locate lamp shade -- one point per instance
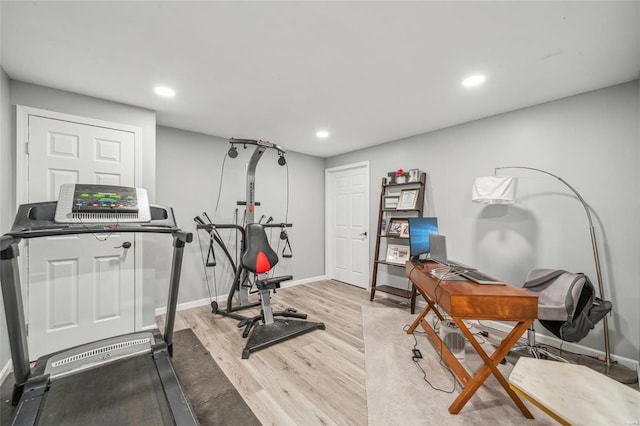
(494, 190)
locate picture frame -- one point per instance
(414, 175)
(408, 199)
(395, 227)
(397, 254)
(391, 177)
(391, 202)
(404, 230)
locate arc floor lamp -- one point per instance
(501, 190)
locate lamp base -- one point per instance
(614, 370)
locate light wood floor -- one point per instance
(314, 379)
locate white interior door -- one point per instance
(348, 224)
(80, 288)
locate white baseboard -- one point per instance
(223, 298)
(570, 347)
(294, 283)
(6, 370)
(192, 304)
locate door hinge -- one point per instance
(26, 147)
(27, 329)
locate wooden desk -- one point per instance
(466, 300)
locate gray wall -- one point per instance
(7, 192)
(590, 140)
(189, 172)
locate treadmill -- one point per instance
(127, 379)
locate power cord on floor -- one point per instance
(417, 355)
(479, 336)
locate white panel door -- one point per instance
(80, 287)
(348, 224)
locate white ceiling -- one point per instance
(368, 72)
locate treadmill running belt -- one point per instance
(126, 392)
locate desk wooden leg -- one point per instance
(449, 358)
(430, 306)
(490, 366)
(419, 318)
(458, 369)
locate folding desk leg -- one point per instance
(458, 369)
(419, 318)
(489, 367)
(430, 306)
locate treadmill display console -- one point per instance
(94, 198)
(101, 204)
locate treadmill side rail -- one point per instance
(33, 392)
(180, 407)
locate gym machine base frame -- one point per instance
(265, 335)
(33, 387)
(273, 330)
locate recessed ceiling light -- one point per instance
(474, 80)
(322, 134)
(167, 92)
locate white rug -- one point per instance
(397, 393)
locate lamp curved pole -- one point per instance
(594, 245)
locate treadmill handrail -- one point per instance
(37, 220)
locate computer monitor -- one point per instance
(419, 230)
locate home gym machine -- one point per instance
(257, 259)
(128, 379)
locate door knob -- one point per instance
(126, 244)
(364, 233)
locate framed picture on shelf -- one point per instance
(397, 254)
(394, 229)
(404, 230)
(391, 177)
(414, 175)
(408, 199)
(391, 201)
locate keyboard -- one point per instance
(480, 278)
(458, 265)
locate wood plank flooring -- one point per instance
(314, 379)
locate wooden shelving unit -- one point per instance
(382, 240)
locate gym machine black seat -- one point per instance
(127, 379)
